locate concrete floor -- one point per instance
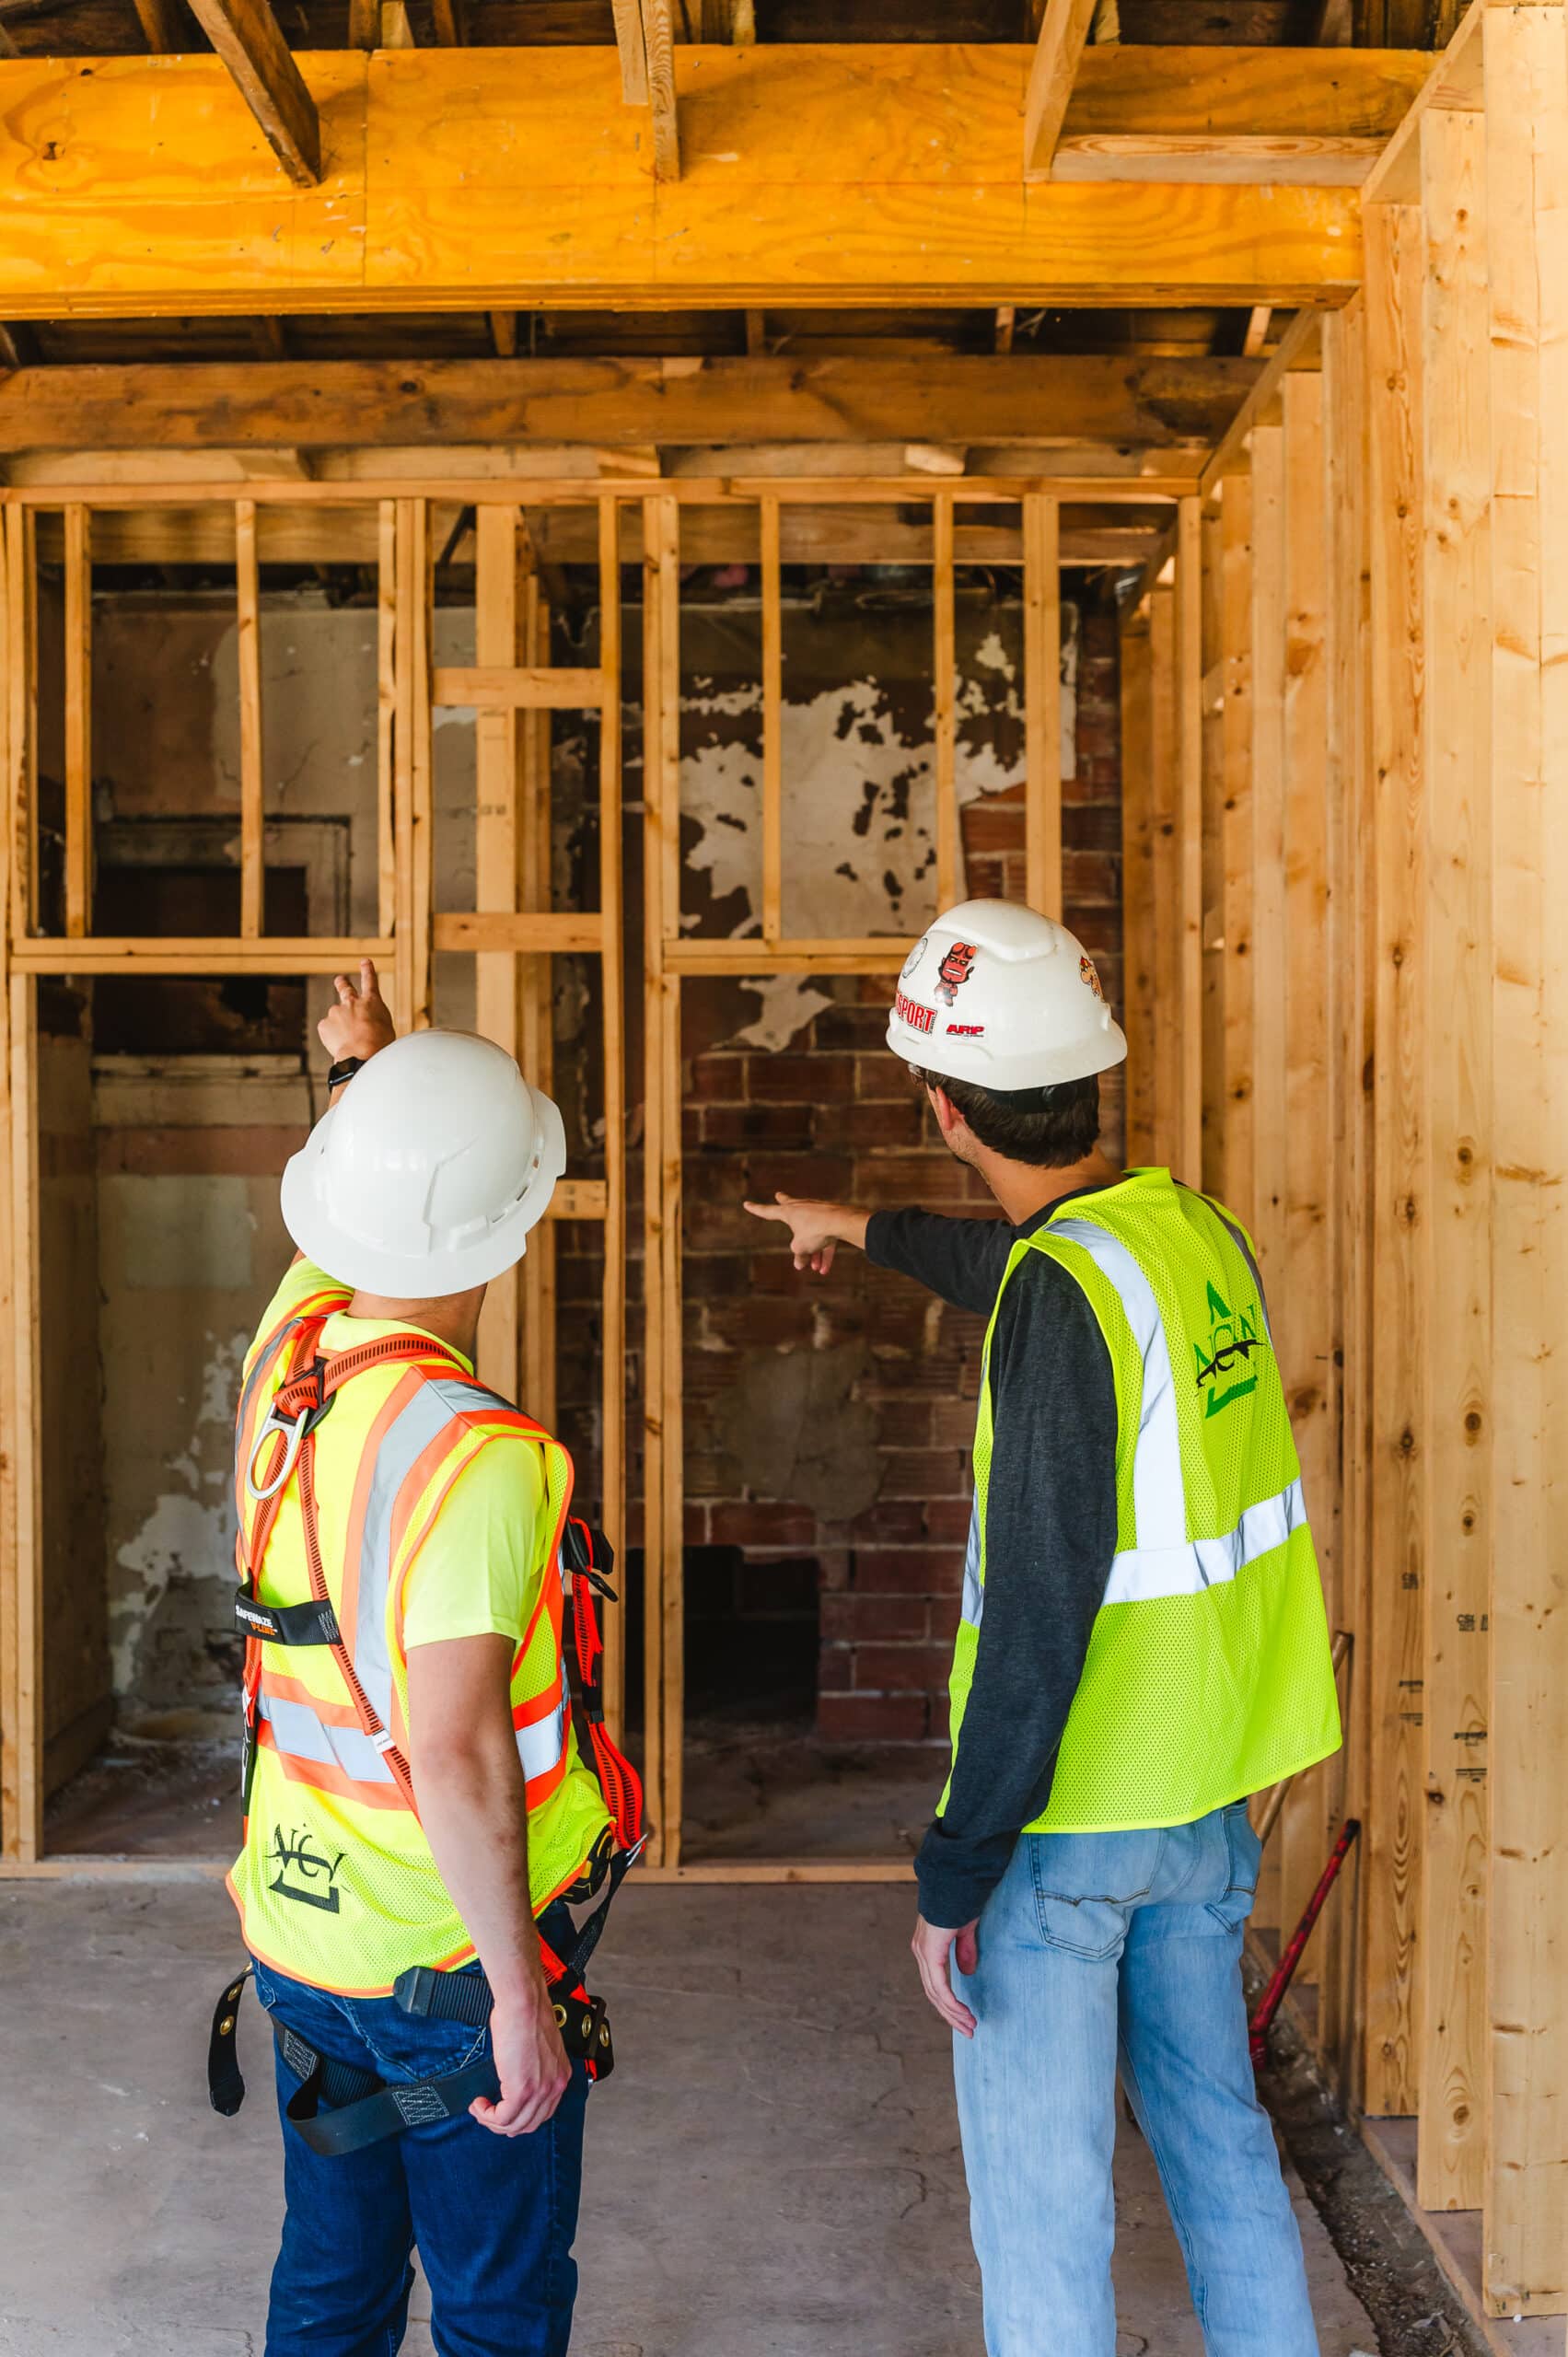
(775, 2171)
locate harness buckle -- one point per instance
(294, 1429)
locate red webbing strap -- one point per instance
(618, 1780)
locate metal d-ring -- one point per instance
(294, 1429)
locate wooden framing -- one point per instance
(512, 179)
(1382, 705)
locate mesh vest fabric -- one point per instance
(1209, 1672)
(336, 1884)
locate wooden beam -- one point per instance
(496, 766)
(451, 22)
(659, 41)
(245, 35)
(1394, 1657)
(523, 687)
(632, 52)
(1526, 209)
(1136, 680)
(1235, 839)
(1190, 832)
(1100, 400)
(943, 687)
(1297, 348)
(1064, 33)
(504, 335)
(1455, 328)
(1042, 703)
(253, 807)
(1165, 814)
(269, 337)
(772, 726)
(78, 666)
(1453, 83)
(364, 24)
(1277, 159)
(612, 866)
(514, 180)
(1257, 334)
(163, 26)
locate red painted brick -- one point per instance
(949, 1518)
(873, 1718)
(758, 1522)
(718, 1078)
(909, 1570)
(883, 1618)
(796, 1079)
(884, 1668)
(731, 1126)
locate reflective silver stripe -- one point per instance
(974, 1592)
(1159, 1499)
(410, 1434)
(301, 1733)
(1145, 1572)
(539, 1747)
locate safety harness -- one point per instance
(338, 2107)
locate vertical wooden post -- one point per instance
(1042, 702)
(664, 1486)
(78, 720)
(1526, 211)
(1350, 964)
(386, 716)
(1303, 1311)
(252, 819)
(535, 980)
(412, 816)
(1395, 1655)
(1166, 853)
(1138, 883)
(773, 725)
(1190, 830)
(1457, 1271)
(1212, 665)
(1236, 911)
(496, 873)
(949, 851)
(17, 536)
(612, 1332)
(21, 1548)
(1268, 623)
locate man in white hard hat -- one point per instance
(1142, 1645)
(426, 1855)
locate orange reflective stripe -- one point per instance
(542, 1706)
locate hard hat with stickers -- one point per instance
(998, 995)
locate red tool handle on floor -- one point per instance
(1270, 2001)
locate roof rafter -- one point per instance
(245, 35)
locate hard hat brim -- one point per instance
(448, 1269)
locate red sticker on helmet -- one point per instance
(1087, 973)
(918, 1017)
(966, 1030)
(955, 971)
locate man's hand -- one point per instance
(530, 2063)
(932, 1948)
(361, 1022)
(815, 1229)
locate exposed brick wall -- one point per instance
(835, 1115)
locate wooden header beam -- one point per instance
(245, 35)
(611, 404)
(512, 179)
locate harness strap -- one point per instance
(310, 1623)
(339, 2108)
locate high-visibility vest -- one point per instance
(1209, 1671)
(334, 1858)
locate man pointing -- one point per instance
(1142, 1645)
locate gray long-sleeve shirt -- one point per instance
(1050, 1536)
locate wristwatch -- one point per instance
(342, 1071)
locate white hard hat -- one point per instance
(998, 995)
(427, 1175)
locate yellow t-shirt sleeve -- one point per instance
(477, 1573)
(305, 1289)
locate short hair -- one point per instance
(1050, 1129)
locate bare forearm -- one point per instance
(471, 1806)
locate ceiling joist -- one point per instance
(1084, 399)
(245, 35)
(512, 179)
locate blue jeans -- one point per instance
(494, 2217)
(1094, 1949)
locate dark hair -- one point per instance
(1048, 1128)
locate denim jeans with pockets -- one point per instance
(1105, 1948)
(493, 2217)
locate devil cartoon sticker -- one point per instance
(954, 971)
(1086, 973)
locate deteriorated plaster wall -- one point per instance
(826, 1438)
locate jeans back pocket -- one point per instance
(1086, 1886)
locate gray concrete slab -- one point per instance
(773, 2172)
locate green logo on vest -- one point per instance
(1232, 1336)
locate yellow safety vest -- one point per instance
(336, 1884)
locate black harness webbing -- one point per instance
(338, 2107)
